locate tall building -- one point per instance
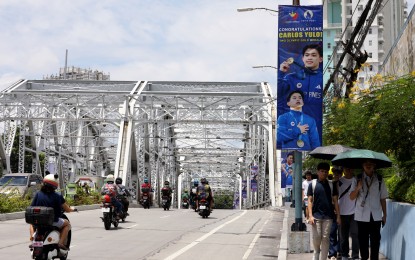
(341, 17)
(75, 73)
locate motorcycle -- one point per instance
(109, 215)
(45, 240)
(145, 198)
(165, 202)
(185, 203)
(204, 209)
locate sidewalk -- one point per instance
(290, 212)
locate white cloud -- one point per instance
(140, 40)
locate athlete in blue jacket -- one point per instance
(296, 130)
(309, 80)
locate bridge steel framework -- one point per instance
(160, 130)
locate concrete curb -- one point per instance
(282, 253)
(20, 214)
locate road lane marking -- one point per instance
(200, 239)
(165, 216)
(132, 226)
(251, 246)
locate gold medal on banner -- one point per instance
(300, 143)
(290, 60)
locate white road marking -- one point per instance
(132, 226)
(165, 216)
(251, 246)
(200, 239)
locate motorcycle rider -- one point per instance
(110, 189)
(204, 191)
(166, 190)
(48, 197)
(123, 194)
(185, 195)
(193, 194)
(146, 187)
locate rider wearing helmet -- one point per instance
(166, 190)
(146, 187)
(110, 188)
(193, 194)
(204, 191)
(48, 197)
(123, 193)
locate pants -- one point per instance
(117, 204)
(334, 241)
(369, 231)
(321, 238)
(348, 228)
(288, 194)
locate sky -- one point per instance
(182, 40)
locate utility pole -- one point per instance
(298, 165)
(352, 47)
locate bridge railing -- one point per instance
(260, 205)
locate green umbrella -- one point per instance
(354, 159)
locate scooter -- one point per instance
(45, 240)
(109, 215)
(185, 203)
(204, 209)
(145, 198)
(165, 202)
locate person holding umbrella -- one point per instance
(370, 213)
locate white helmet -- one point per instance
(51, 180)
(110, 178)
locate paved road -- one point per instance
(158, 234)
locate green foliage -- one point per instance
(13, 203)
(401, 188)
(82, 198)
(380, 119)
(224, 200)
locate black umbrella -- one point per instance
(329, 152)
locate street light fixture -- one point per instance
(249, 9)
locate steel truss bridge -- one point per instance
(160, 130)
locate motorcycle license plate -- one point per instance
(202, 207)
(105, 209)
(145, 197)
(37, 243)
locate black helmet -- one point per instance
(118, 180)
(167, 183)
(203, 180)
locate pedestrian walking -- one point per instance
(348, 227)
(322, 201)
(370, 193)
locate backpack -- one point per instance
(314, 183)
(165, 191)
(203, 191)
(110, 190)
(359, 177)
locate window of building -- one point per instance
(370, 30)
(370, 42)
(361, 80)
(370, 55)
(328, 57)
(329, 45)
(371, 68)
(360, 7)
(350, 11)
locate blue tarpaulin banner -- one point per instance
(300, 77)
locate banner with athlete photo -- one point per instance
(300, 77)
